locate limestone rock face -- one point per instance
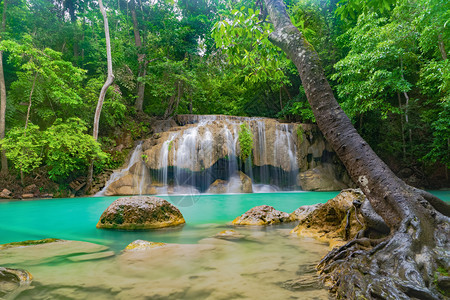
(321, 178)
(140, 212)
(262, 215)
(133, 182)
(245, 184)
(237, 184)
(328, 222)
(218, 187)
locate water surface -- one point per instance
(267, 263)
(75, 218)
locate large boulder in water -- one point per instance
(262, 215)
(142, 212)
(334, 222)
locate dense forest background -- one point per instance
(386, 61)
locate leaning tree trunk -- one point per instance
(106, 85)
(404, 264)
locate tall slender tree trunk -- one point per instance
(106, 85)
(442, 47)
(420, 225)
(406, 104)
(402, 126)
(4, 160)
(139, 105)
(29, 102)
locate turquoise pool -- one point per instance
(75, 218)
(268, 263)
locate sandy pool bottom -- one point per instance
(268, 263)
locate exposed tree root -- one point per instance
(400, 266)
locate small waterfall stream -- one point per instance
(136, 157)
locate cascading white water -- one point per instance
(231, 139)
(285, 147)
(191, 158)
(136, 157)
(164, 163)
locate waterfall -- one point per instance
(285, 155)
(164, 164)
(203, 153)
(231, 139)
(136, 158)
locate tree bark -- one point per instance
(106, 85)
(174, 100)
(442, 47)
(29, 103)
(419, 222)
(139, 105)
(4, 160)
(402, 126)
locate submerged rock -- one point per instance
(335, 221)
(140, 212)
(28, 243)
(262, 215)
(11, 280)
(143, 245)
(229, 234)
(51, 252)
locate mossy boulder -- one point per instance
(262, 215)
(229, 234)
(140, 213)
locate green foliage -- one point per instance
(65, 147)
(245, 141)
(440, 147)
(70, 148)
(56, 82)
(372, 71)
(299, 134)
(114, 109)
(244, 39)
(24, 148)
